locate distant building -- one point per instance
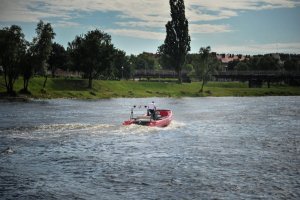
(226, 58)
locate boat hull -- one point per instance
(164, 119)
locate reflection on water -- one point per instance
(223, 148)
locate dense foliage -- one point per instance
(92, 54)
(12, 51)
(58, 58)
(268, 62)
(205, 65)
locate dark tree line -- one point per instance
(20, 57)
(266, 63)
(12, 52)
(94, 55)
(58, 59)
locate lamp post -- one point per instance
(131, 74)
(122, 71)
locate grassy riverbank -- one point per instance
(77, 88)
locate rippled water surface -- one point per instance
(215, 148)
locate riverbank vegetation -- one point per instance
(93, 57)
(77, 88)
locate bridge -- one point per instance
(254, 78)
(161, 74)
(257, 78)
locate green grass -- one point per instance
(77, 88)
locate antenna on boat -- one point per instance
(131, 114)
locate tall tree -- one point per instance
(43, 46)
(177, 42)
(13, 47)
(207, 65)
(92, 54)
(58, 58)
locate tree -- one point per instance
(189, 68)
(242, 66)
(74, 54)
(267, 62)
(253, 63)
(146, 61)
(177, 42)
(13, 47)
(120, 63)
(163, 59)
(132, 61)
(57, 58)
(196, 61)
(232, 65)
(119, 66)
(27, 69)
(91, 54)
(42, 47)
(207, 65)
(291, 65)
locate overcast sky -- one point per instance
(228, 26)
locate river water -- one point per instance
(215, 148)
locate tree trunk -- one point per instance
(10, 87)
(45, 82)
(25, 84)
(179, 77)
(90, 83)
(53, 72)
(204, 79)
(6, 83)
(201, 90)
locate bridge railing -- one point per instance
(259, 72)
(170, 73)
(220, 74)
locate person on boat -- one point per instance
(151, 110)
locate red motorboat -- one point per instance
(162, 118)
